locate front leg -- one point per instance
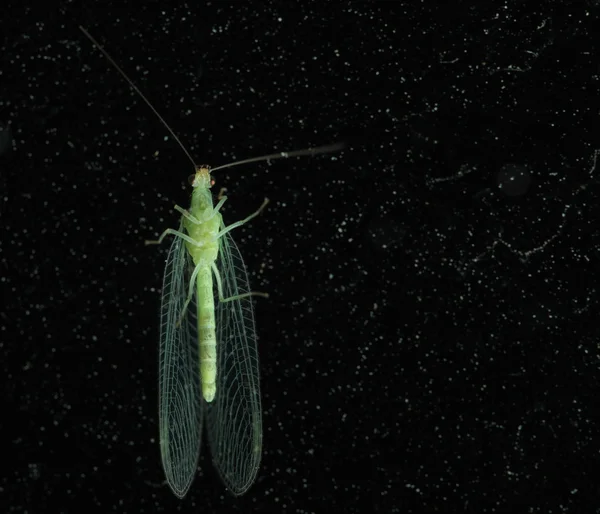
(176, 233)
(186, 214)
(196, 221)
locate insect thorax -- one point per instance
(206, 231)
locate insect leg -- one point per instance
(246, 220)
(186, 214)
(197, 269)
(222, 200)
(231, 298)
(175, 233)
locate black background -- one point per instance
(431, 343)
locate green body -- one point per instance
(208, 365)
(205, 232)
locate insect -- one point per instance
(208, 359)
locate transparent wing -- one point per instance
(180, 404)
(234, 417)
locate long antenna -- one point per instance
(136, 89)
(283, 155)
(279, 155)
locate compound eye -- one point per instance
(191, 179)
